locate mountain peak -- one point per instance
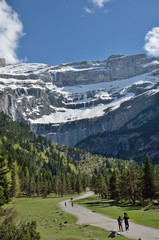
(71, 101)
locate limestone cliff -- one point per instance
(69, 102)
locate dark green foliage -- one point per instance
(24, 231)
(4, 184)
(78, 184)
(114, 186)
(35, 165)
(132, 183)
(13, 182)
(101, 185)
(148, 179)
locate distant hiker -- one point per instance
(65, 204)
(72, 204)
(120, 223)
(126, 220)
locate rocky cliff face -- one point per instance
(69, 102)
(132, 141)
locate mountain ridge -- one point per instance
(69, 102)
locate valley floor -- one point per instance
(52, 222)
(86, 216)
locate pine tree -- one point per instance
(102, 187)
(130, 185)
(148, 180)
(68, 182)
(13, 182)
(62, 185)
(78, 184)
(157, 181)
(4, 185)
(94, 184)
(114, 186)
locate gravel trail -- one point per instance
(86, 216)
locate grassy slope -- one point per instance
(49, 216)
(136, 213)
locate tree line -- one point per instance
(129, 184)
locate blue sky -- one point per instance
(60, 31)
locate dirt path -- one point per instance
(85, 216)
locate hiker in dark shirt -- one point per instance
(120, 223)
(126, 220)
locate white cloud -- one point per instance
(11, 29)
(99, 3)
(88, 10)
(152, 42)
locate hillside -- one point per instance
(36, 166)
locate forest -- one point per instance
(32, 166)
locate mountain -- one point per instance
(132, 141)
(69, 102)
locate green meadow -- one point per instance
(52, 222)
(137, 213)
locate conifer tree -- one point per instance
(148, 180)
(114, 186)
(78, 184)
(4, 185)
(13, 182)
(62, 185)
(102, 187)
(94, 184)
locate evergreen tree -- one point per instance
(94, 183)
(68, 182)
(102, 187)
(13, 182)
(4, 185)
(148, 180)
(157, 182)
(114, 186)
(84, 182)
(78, 184)
(62, 185)
(44, 188)
(38, 186)
(130, 186)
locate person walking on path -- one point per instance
(126, 220)
(120, 223)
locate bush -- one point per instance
(24, 231)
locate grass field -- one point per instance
(136, 213)
(50, 220)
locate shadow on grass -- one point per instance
(105, 204)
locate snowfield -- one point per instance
(93, 100)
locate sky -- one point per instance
(61, 31)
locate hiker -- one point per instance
(120, 223)
(65, 204)
(72, 204)
(126, 220)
